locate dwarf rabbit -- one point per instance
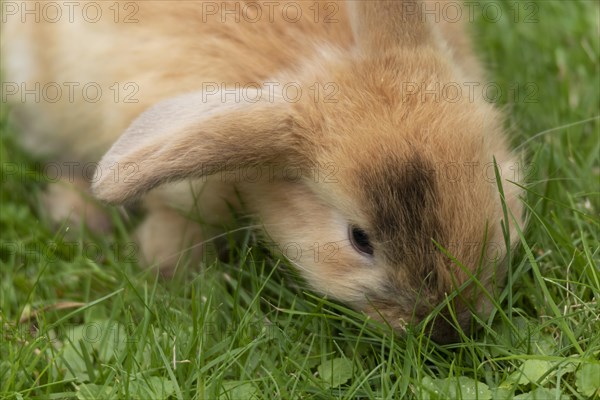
(331, 122)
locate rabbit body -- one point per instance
(317, 123)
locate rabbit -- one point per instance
(316, 118)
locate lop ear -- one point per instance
(194, 135)
(383, 24)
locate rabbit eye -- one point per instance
(360, 240)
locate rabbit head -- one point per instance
(395, 206)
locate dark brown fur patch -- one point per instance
(404, 201)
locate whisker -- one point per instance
(210, 240)
(537, 135)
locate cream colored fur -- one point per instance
(368, 138)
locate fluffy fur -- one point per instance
(409, 169)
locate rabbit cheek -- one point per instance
(313, 237)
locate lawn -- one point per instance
(79, 318)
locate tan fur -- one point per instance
(387, 154)
(69, 200)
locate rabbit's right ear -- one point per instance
(382, 24)
(195, 135)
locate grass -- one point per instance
(79, 318)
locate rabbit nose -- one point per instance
(444, 330)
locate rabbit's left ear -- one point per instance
(195, 135)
